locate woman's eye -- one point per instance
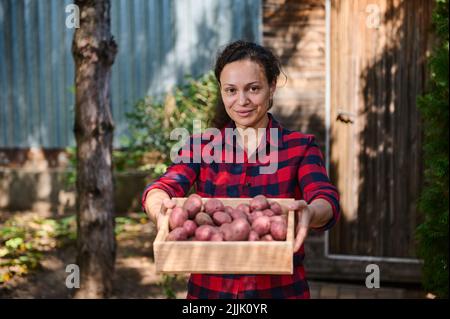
(230, 91)
(254, 89)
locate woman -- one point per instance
(247, 74)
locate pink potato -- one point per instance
(245, 208)
(193, 205)
(267, 237)
(220, 218)
(178, 233)
(237, 231)
(261, 225)
(190, 227)
(236, 214)
(278, 230)
(224, 228)
(259, 202)
(228, 209)
(277, 218)
(253, 236)
(203, 219)
(268, 212)
(213, 205)
(205, 232)
(276, 208)
(255, 214)
(217, 237)
(177, 217)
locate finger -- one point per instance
(297, 205)
(160, 220)
(300, 238)
(169, 203)
(302, 228)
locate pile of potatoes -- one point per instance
(260, 220)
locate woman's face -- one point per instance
(246, 93)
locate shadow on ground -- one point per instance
(135, 275)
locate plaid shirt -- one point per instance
(300, 174)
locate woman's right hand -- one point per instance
(166, 204)
(157, 203)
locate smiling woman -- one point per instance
(247, 74)
(246, 94)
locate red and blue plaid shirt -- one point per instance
(300, 174)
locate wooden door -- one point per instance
(378, 67)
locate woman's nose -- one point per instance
(242, 98)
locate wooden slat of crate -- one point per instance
(239, 257)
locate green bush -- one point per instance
(432, 234)
(148, 145)
(151, 122)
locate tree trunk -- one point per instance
(94, 50)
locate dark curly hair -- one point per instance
(242, 50)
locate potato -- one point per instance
(205, 232)
(245, 208)
(236, 214)
(225, 230)
(217, 237)
(177, 217)
(253, 236)
(220, 218)
(267, 237)
(261, 225)
(178, 233)
(193, 205)
(259, 202)
(203, 219)
(277, 218)
(276, 208)
(278, 230)
(224, 226)
(269, 213)
(228, 209)
(254, 215)
(213, 205)
(238, 230)
(190, 227)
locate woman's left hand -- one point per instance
(304, 214)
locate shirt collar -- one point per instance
(273, 124)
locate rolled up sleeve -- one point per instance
(178, 178)
(315, 183)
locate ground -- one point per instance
(135, 275)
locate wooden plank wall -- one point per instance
(377, 74)
(295, 31)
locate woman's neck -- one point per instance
(250, 136)
(262, 123)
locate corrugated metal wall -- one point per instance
(160, 41)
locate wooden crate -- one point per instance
(238, 257)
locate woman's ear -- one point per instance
(273, 87)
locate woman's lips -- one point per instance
(245, 113)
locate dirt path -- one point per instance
(135, 275)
